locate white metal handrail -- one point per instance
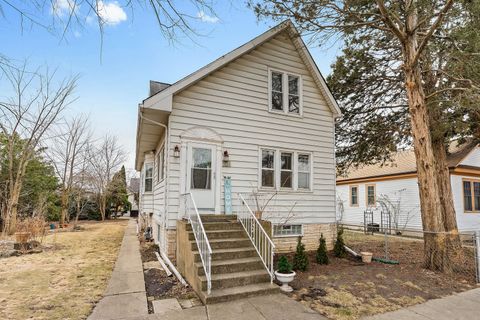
(257, 234)
(201, 238)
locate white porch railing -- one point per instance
(259, 237)
(201, 239)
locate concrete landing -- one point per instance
(465, 305)
(125, 295)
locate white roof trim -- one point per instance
(247, 47)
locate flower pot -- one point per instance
(366, 257)
(285, 279)
(22, 237)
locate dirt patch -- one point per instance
(158, 285)
(349, 289)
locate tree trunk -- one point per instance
(435, 248)
(445, 194)
(64, 209)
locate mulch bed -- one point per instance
(349, 289)
(157, 285)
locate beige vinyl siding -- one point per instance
(233, 101)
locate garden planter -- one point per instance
(366, 257)
(22, 237)
(285, 279)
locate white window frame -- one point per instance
(277, 170)
(160, 161)
(293, 171)
(285, 93)
(145, 177)
(275, 152)
(277, 235)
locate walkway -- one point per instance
(270, 307)
(125, 295)
(465, 305)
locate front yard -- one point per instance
(349, 289)
(66, 279)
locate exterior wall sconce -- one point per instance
(226, 159)
(176, 152)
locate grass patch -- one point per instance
(65, 281)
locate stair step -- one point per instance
(229, 253)
(217, 218)
(225, 243)
(220, 234)
(236, 279)
(232, 265)
(219, 226)
(228, 294)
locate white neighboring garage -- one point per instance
(395, 184)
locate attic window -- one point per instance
(285, 92)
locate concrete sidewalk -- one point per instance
(269, 307)
(125, 295)
(465, 305)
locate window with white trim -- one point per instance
(280, 230)
(471, 195)
(285, 92)
(148, 177)
(268, 168)
(304, 168)
(285, 170)
(160, 159)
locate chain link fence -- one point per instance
(456, 255)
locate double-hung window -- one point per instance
(354, 196)
(268, 168)
(285, 92)
(304, 167)
(371, 195)
(160, 159)
(285, 170)
(471, 195)
(148, 177)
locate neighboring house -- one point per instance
(394, 187)
(133, 193)
(261, 115)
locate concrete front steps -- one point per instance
(237, 270)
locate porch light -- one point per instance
(226, 159)
(176, 152)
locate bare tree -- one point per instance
(105, 158)
(175, 18)
(34, 106)
(68, 144)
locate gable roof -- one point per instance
(246, 48)
(403, 163)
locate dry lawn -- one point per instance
(65, 280)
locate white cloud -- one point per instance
(64, 8)
(111, 12)
(77, 34)
(206, 18)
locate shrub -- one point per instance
(339, 248)
(300, 260)
(283, 265)
(322, 257)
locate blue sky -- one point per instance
(113, 81)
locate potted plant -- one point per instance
(284, 274)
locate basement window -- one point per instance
(287, 230)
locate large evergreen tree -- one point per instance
(392, 45)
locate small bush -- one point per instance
(300, 260)
(283, 265)
(339, 248)
(322, 257)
